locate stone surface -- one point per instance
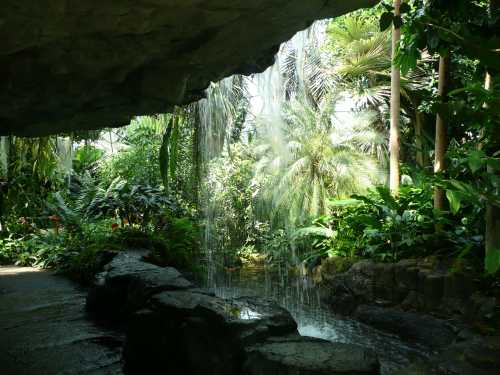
(44, 328)
(297, 355)
(426, 330)
(87, 64)
(127, 282)
(424, 285)
(202, 333)
(478, 355)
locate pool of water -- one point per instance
(299, 296)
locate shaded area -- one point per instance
(44, 328)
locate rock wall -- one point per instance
(88, 64)
(424, 285)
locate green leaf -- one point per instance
(398, 22)
(344, 202)
(475, 160)
(405, 8)
(387, 197)
(494, 164)
(455, 200)
(492, 261)
(315, 231)
(386, 21)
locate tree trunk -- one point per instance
(441, 142)
(394, 139)
(419, 138)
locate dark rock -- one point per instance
(296, 355)
(483, 308)
(384, 281)
(423, 329)
(431, 287)
(75, 64)
(128, 282)
(210, 332)
(474, 356)
(102, 258)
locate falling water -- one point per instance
(215, 118)
(64, 146)
(4, 156)
(266, 93)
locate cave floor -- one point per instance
(44, 328)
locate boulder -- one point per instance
(127, 282)
(423, 329)
(297, 355)
(474, 356)
(201, 332)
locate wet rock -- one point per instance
(477, 355)
(296, 355)
(423, 285)
(128, 282)
(210, 332)
(329, 268)
(423, 329)
(44, 328)
(104, 257)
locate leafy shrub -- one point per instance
(178, 244)
(379, 226)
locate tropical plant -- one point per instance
(315, 157)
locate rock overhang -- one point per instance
(72, 65)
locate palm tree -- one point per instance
(311, 157)
(362, 64)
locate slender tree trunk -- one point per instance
(441, 141)
(419, 138)
(394, 139)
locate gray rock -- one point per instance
(424, 329)
(128, 282)
(296, 355)
(201, 332)
(74, 64)
(474, 356)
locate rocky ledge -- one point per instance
(86, 64)
(419, 285)
(181, 329)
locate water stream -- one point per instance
(299, 296)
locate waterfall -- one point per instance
(4, 156)
(266, 94)
(215, 117)
(64, 147)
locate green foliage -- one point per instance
(131, 204)
(313, 158)
(86, 157)
(379, 226)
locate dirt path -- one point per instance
(44, 328)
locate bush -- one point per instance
(385, 228)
